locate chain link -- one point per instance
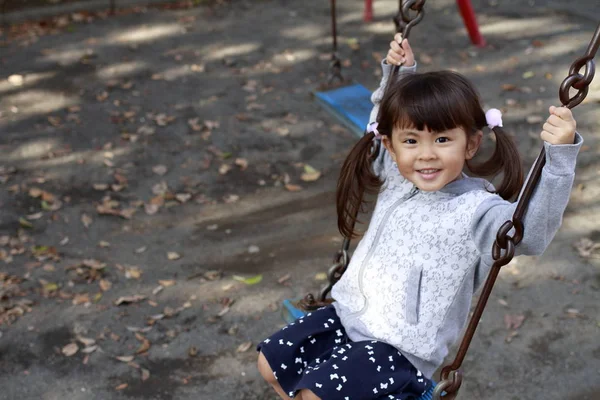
(335, 70)
(448, 388)
(404, 21)
(334, 273)
(579, 81)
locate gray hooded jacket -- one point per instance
(413, 274)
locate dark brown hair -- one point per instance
(437, 101)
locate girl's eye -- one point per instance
(410, 141)
(442, 139)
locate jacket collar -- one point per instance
(467, 184)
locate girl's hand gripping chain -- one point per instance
(560, 126)
(400, 52)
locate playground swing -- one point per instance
(350, 102)
(503, 249)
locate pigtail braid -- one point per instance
(356, 180)
(505, 159)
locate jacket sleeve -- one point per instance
(383, 159)
(544, 214)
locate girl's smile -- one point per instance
(429, 174)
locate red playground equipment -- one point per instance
(466, 11)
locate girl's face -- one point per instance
(431, 160)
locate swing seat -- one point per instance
(350, 104)
(291, 312)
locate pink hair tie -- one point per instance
(493, 117)
(373, 128)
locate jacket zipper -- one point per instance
(361, 271)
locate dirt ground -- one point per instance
(155, 206)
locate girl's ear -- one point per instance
(387, 142)
(473, 143)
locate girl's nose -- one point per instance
(427, 153)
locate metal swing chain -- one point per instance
(503, 249)
(342, 257)
(403, 20)
(335, 65)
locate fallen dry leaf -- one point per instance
(171, 255)
(35, 192)
(133, 273)
(321, 276)
(310, 174)
(224, 169)
(212, 124)
(86, 220)
(159, 170)
(284, 279)
(528, 74)
(36, 216)
(293, 188)
(224, 311)
(157, 290)
(212, 275)
(511, 335)
(86, 341)
(105, 285)
(574, 313)
(509, 87)
(145, 374)
(231, 198)
(129, 299)
(587, 248)
(145, 346)
(151, 209)
(244, 347)
(513, 322)
(183, 197)
(166, 283)
(81, 298)
(122, 386)
(70, 349)
(136, 329)
(125, 359)
(242, 163)
(89, 349)
(93, 264)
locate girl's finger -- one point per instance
(406, 45)
(556, 120)
(398, 37)
(548, 127)
(394, 58)
(563, 112)
(547, 136)
(396, 47)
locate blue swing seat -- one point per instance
(291, 313)
(350, 104)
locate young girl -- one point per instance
(407, 291)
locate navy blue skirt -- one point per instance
(315, 353)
